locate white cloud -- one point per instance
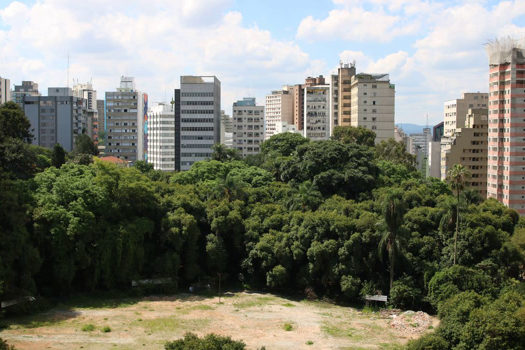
(149, 39)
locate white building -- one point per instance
(87, 92)
(226, 130)
(279, 108)
(197, 119)
(317, 112)
(248, 126)
(455, 111)
(161, 137)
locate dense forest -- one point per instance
(339, 219)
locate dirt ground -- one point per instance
(257, 319)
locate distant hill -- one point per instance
(411, 128)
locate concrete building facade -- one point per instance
(456, 110)
(506, 135)
(5, 90)
(341, 101)
(27, 88)
(124, 121)
(373, 104)
(161, 137)
(469, 148)
(279, 108)
(248, 126)
(226, 130)
(434, 152)
(87, 92)
(316, 113)
(197, 119)
(56, 118)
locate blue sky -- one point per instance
(433, 50)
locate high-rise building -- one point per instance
(27, 88)
(418, 146)
(456, 110)
(226, 130)
(366, 100)
(506, 135)
(248, 126)
(56, 118)
(279, 108)
(5, 90)
(197, 119)
(124, 122)
(161, 137)
(316, 113)
(86, 92)
(434, 152)
(373, 104)
(341, 91)
(298, 99)
(469, 148)
(101, 112)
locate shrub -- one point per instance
(287, 327)
(106, 329)
(429, 342)
(88, 328)
(5, 346)
(404, 294)
(350, 286)
(209, 342)
(277, 277)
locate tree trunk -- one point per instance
(457, 227)
(392, 258)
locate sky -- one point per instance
(433, 50)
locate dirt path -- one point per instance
(257, 319)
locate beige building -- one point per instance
(248, 126)
(342, 95)
(373, 104)
(279, 108)
(468, 147)
(456, 110)
(298, 99)
(317, 112)
(5, 90)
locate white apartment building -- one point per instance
(27, 88)
(317, 112)
(125, 122)
(226, 130)
(161, 137)
(248, 126)
(279, 107)
(373, 104)
(87, 92)
(197, 119)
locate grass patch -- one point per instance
(288, 305)
(106, 329)
(341, 331)
(309, 342)
(288, 327)
(88, 328)
(169, 324)
(254, 302)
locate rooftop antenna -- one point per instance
(67, 81)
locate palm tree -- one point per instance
(457, 176)
(394, 209)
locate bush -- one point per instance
(88, 328)
(5, 346)
(350, 286)
(429, 342)
(404, 294)
(277, 277)
(287, 327)
(209, 342)
(106, 329)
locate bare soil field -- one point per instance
(255, 318)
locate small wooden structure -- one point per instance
(379, 298)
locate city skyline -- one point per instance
(433, 50)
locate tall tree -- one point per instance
(350, 134)
(84, 145)
(457, 176)
(13, 122)
(393, 210)
(224, 154)
(58, 157)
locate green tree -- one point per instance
(58, 157)
(457, 176)
(283, 144)
(393, 211)
(84, 145)
(224, 154)
(394, 151)
(14, 123)
(143, 166)
(350, 134)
